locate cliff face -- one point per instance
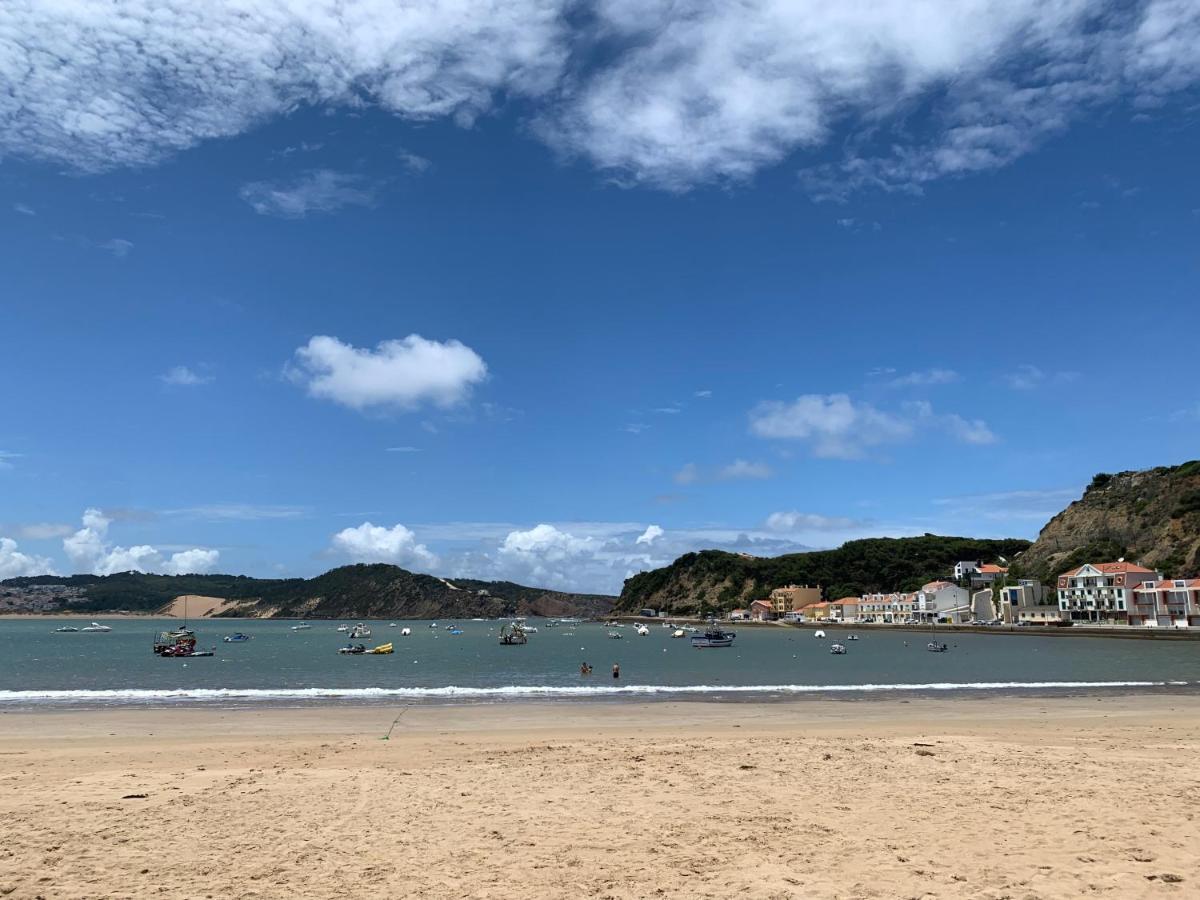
(715, 580)
(1152, 516)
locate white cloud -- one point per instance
(403, 449)
(635, 427)
(650, 535)
(374, 543)
(741, 469)
(15, 564)
(1027, 377)
(703, 395)
(1016, 506)
(239, 512)
(5, 458)
(398, 374)
(792, 521)
(41, 531)
(24, 210)
(927, 378)
(89, 550)
(319, 191)
(837, 427)
(118, 247)
(182, 376)
(679, 93)
(689, 474)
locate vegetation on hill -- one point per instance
(1151, 516)
(360, 591)
(714, 580)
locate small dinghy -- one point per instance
(237, 638)
(381, 650)
(837, 649)
(352, 649)
(818, 634)
(65, 629)
(405, 632)
(853, 637)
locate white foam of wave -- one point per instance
(137, 695)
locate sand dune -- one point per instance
(196, 606)
(968, 798)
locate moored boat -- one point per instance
(303, 626)
(236, 638)
(714, 636)
(513, 633)
(360, 631)
(65, 629)
(837, 649)
(381, 650)
(936, 647)
(97, 628)
(352, 649)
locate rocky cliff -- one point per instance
(1152, 516)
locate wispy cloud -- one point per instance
(738, 470)
(24, 210)
(703, 395)
(1028, 377)
(634, 427)
(318, 191)
(403, 449)
(926, 378)
(1019, 505)
(239, 512)
(6, 459)
(182, 376)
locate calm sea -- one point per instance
(39, 667)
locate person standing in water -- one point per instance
(616, 670)
(585, 669)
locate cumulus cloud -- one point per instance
(397, 374)
(836, 427)
(398, 545)
(89, 550)
(319, 191)
(682, 92)
(650, 535)
(182, 376)
(15, 564)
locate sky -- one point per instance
(555, 291)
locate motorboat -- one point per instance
(236, 638)
(512, 633)
(852, 637)
(405, 632)
(819, 634)
(714, 636)
(392, 625)
(97, 628)
(303, 626)
(678, 633)
(360, 631)
(936, 647)
(433, 624)
(381, 650)
(643, 630)
(178, 645)
(837, 649)
(352, 649)
(66, 628)
(529, 629)
(456, 631)
(616, 635)
(342, 629)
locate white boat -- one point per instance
(714, 636)
(853, 637)
(615, 635)
(342, 629)
(678, 633)
(360, 631)
(433, 624)
(66, 628)
(818, 633)
(303, 626)
(405, 632)
(643, 630)
(97, 627)
(392, 625)
(529, 629)
(837, 649)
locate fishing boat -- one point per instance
(352, 649)
(66, 628)
(381, 650)
(714, 636)
(303, 626)
(512, 633)
(97, 628)
(360, 631)
(837, 649)
(936, 647)
(236, 638)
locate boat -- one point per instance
(616, 635)
(852, 637)
(352, 649)
(381, 650)
(678, 633)
(178, 644)
(236, 638)
(936, 647)
(405, 632)
(200, 653)
(456, 631)
(837, 649)
(433, 624)
(714, 636)
(303, 626)
(360, 631)
(512, 633)
(342, 629)
(643, 630)
(818, 633)
(64, 629)
(392, 625)
(97, 628)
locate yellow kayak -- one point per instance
(382, 648)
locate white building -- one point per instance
(942, 600)
(1102, 593)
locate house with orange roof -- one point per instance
(980, 574)
(738, 615)
(943, 600)
(844, 610)
(1102, 593)
(793, 598)
(1167, 603)
(887, 608)
(762, 611)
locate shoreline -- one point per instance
(1019, 797)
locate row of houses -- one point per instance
(1112, 593)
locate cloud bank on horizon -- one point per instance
(666, 94)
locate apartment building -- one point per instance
(794, 598)
(1166, 602)
(1101, 593)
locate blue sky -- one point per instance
(556, 292)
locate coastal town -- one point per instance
(1096, 594)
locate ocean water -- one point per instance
(39, 667)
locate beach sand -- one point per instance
(978, 797)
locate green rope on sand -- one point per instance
(388, 736)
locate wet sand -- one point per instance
(960, 797)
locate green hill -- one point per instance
(715, 580)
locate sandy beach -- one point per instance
(982, 797)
